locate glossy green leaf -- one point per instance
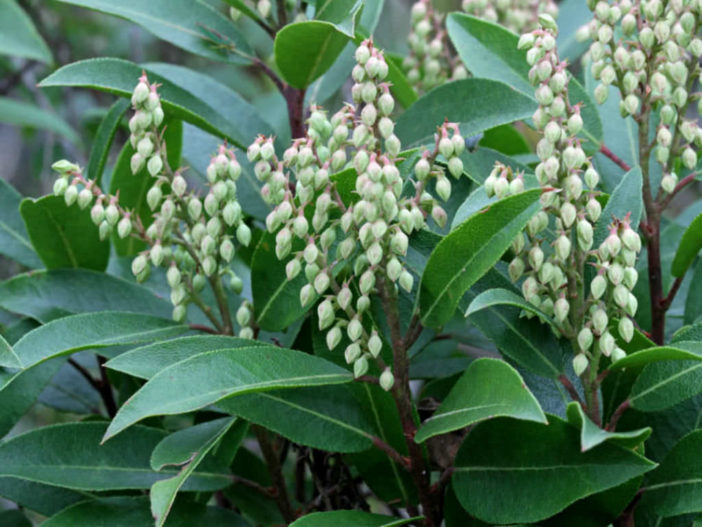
(64, 236)
(146, 361)
(680, 351)
(186, 448)
(8, 357)
(341, 13)
(592, 435)
(510, 471)
(47, 295)
(129, 511)
(14, 241)
(625, 199)
(91, 331)
(18, 36)
(192, 25)
(476, 104)
(663, 384)
(350, 519)
(180, 100)
(24, 114)
(505, 297)
(324, 417)
(693, 302)
(209, 377)
(468, 252)
(76, 460)
(102, 141)
(690, 245)
(488, 388)
(305, 50)
(675, 486)
(44, 499)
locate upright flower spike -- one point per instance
(553, 277)
(650, 53)
(362, 241)
(193, 244)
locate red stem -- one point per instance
(615, 158)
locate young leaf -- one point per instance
(103, 139)
(192, 25)
(510, 471)
(18, 113)
(690, 245)
(675, 487)
(305, 50)
(505, 297)
(341, 13)
(476, 104)
(626, 199)
(64, 236)
(488, 388)
(209, 377)
(468, 252)
(592, 435)
(18, 36)
(664, 384)
(680, 351)
(351, 519)
(14, 242)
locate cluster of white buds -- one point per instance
(245, 319)
(518, 16)
(431, 60)
(650, 52)
(364, 238)
(192, 238)
(553, 265)
(503, 182)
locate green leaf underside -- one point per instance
(468, 252)
(212, 376)
(350, 519)
(18, 36)
(592, 435)
(680, 351)
(664, 384)
(19, 113)
(8, 357)
(488, 388)
(625, 199)
(495, 297)
(690, 245)
(519, 471)
(14, 241)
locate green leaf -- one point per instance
(305, 50)
(191, 25)
(592, 435)
(70, 455)
(488, 388)
(675, 486)
(14, 242)
(187, 447)
(47, 295)
(121, 511)
(64, 236)
(351, 519)
(324, 417)
(14, 518)
(103, 139)
(91, 331)
(571, 14)
(690, 245)
(181, 100)
(505, 297)
(468, 252)
(19, 113)
(626, 199)
(663, 384)
(341, 13)
(146, 361)
(8, 357)
(276, 299)
(510, 471)
(679, 351)
(400, 87)
(476, 104)
(212, 376)
(18, 36)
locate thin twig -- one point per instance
(405, 462)
(106, 388)
(614, 157)
(565, 381)
(617, 415)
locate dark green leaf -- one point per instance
(209, 377)
(14, 518)
(663, 384)
(8, 358)
(476, 104)
(350, 519)
(679, 351)
(64, 236)
(489, 388)
(690, 245)
(18, 36)
(19, 113)
(305, 50)
(191, 25)
(510, 471)
(468, 252)
(14, 241)
(592, 435)
(504, 297)
(103, 139)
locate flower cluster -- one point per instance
(352, 245)
(650, 52)
(190, 236)
(516, 15)
(553, 264)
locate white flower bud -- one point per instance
(387, 380)
(585, 339)
(516, 269)
(360, 367)
(561, 309)
(626, 329)
(599, 320)
(60, 186)
(85, 198)
(226, 249)
(607, 343)
(71, 195)
(352, 352)
(124, 227)
(406, 281)
(155, 165)
(580, 364)
(562, 247)
(306, 295)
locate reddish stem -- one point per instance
(614, 157)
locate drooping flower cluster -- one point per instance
(516, 15)
(191, 237)
(353, 243)
(554, 264)
(650, 52)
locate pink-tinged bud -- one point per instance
(615, 273)
(614, 244)
(585, 339)
(97, 213)
(575, 124)
(325, 314)
(60, 186)
(439, 216)
(580, 364)
(563, 247)
(355, 329)
(85, 198)
(112, 214)
(124, 227)
(321, 282)
(352, 352)
(530, 288)
(70, 195)
(599, 321)
(333, 337)
(226, 249)
(561, 309)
